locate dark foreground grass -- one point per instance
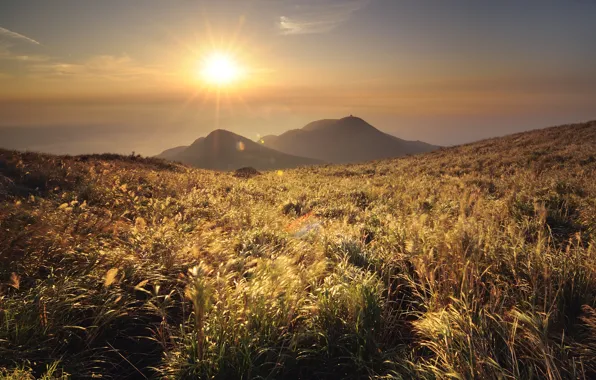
(471, 262)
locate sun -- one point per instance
(219, 69)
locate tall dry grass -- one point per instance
(471, 262)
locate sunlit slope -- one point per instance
(477, 261)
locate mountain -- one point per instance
(346, 140)
(171, 153)
(224, 150)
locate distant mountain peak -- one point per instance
(348, 122)
(344, 140)
(352, 118)
(221, 132)
(349, 139)
(225, 150)
(221, 139)
(353, 121)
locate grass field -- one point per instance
(477, 261)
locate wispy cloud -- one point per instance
(102, 67)
(321, 16)
(6, 54)
(14, 35)
(17, 47)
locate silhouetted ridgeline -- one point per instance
(346, 140)
(224, 150)
(350, 139)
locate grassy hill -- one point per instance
(477, 261)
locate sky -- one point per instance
(121, 76)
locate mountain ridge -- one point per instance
(225, 150)
(346, 140)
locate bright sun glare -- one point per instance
(219, 69)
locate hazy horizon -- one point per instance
(111, 76)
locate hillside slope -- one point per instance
(346, 140)
(224, 150)
(172, 153)
(477, 261)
